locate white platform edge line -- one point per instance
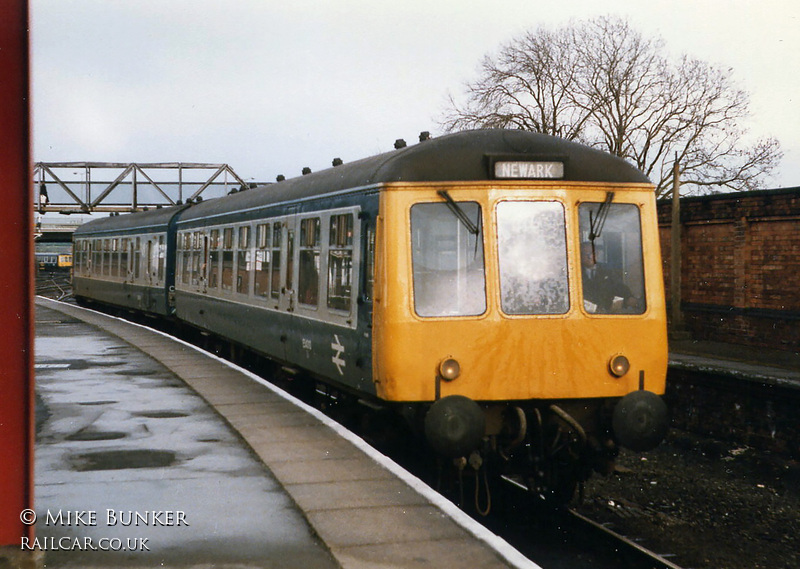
(501, 546)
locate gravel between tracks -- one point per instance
(712, 504)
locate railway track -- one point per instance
(53, 285)
(566, 539)
(629, 550)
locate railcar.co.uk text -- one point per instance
(91, 518)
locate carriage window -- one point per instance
(123, 257)
(308, 278)
(611, 258)
(213, 259)
(149, 260)
(447, 259)
(369, 264)
(97, 257)
(137, 258)
(185, 257)
(275, 284)
(77, 247)
(532, 250)
(340, 262)
(243, 261)
(115, 257)
(262, 260)
(102, 264)
(106, 257)
(162, 253)
(227, 259)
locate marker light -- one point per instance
(619, 365)
(449, 369)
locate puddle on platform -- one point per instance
(90, 435)
(122, 459)
(161, 414)
(137, 372)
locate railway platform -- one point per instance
(770, 366)
(151, 453)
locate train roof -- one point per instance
(154, 220)
(462, 156)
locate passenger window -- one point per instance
(369, 263)
(262, 260)
(114, 256)
(162, 252)
(308, 278)
(149, 260)
(108, 257)
(612, 269)
(187, 260)
(123, 258)
(275, 284)
(198, 257)
(227, 259)
(184, 257)
(243, 261)
(137, 259)
(447, 259)
(340, 262)
(97, 257)
(532, 250)
(213, 259)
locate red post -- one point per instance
(16, 278)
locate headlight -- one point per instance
(619, 365)
(449, 369)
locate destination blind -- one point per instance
(524, 170)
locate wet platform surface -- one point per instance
(128, 453)
(776, 367)
(136, 427)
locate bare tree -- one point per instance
(601, 83)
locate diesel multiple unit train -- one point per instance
(500, 290)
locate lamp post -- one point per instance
(676, 315)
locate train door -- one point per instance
(149, 261)
(204, 266)
(131, 259)
(288, 296)
(137, 260)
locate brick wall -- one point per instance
(740, 266)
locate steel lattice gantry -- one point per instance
(87, 187)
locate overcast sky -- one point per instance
(270, 86)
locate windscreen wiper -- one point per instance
(458, 212)
(596, 223)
